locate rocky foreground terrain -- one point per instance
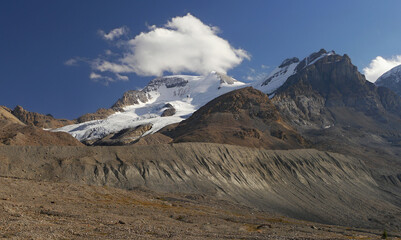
(303, 184)
(32, 209)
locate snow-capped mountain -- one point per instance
(391, 79)
(286, 69)
(171, 99)
(164, 101)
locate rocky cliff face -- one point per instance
(335, 108)
(39, 120)
(244, 117)
(306, 184)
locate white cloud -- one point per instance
(76, 61)
(183, 44)
(115, 33)
(107, 79)
(380, 65)
(71, 62)
(122, 77)
(95, 76)
(257, 74)
(107, 66)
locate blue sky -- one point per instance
(38, 37)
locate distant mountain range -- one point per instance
(321, 101)
(171, 99)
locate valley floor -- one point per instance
(31, 209)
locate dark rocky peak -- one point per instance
(288, 62)
(327, 72)
(332, 76)
(312, 58)
(315, 55)
(332, 81)
(332, 104)
(169, 82)
(131, 97)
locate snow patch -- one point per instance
(276, 78)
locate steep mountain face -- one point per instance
(243, 117)
(164, 101)
(39, 120)
(334, 107)
(391, 80)
(286, 69)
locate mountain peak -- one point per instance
(288, 62)
(313, 58)
(391, 79)
(286, 69)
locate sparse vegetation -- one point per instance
(384, 235)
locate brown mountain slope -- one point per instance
(39, 120)
(6, 115)
(14, 132)
(244, 117)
